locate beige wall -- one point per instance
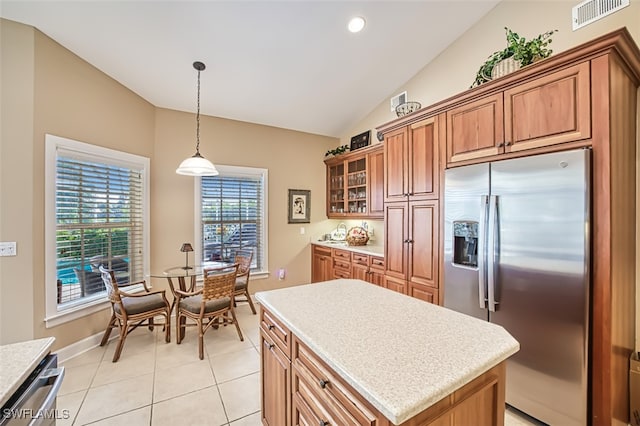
(293, 159)
(48, 89)
(454, 70)
(16, 198)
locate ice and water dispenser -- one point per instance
(465, 243)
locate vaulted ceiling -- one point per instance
(291, 64)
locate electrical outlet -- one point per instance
(282, 273)
(302, 230)
(8, 248)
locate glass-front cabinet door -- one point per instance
(357, 186)
(336, 188)
(350, 183)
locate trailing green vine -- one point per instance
(337, 151)
(523, 51)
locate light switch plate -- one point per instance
(7, 248)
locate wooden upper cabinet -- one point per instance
(375, 183)
(411, 162)
(552, 109)
(354, 184)
(396, 155)
(549, 110)
(475, 130)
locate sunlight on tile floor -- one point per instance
(156, 383)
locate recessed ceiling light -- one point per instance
(356, 24)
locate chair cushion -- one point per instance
(241, 284)
(193, 304)
(136, 305)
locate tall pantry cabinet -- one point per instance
(584, 97)
(411, 206)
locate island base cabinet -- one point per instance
(276, 378)
(480, 403)
(301, 389)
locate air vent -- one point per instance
(592, 10)
(397, 100)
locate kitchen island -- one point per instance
(17, 361)
(345, 352)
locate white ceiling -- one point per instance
(290, 64)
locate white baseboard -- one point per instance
(88, 343)
(82, 346)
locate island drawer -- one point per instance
(307, 408)
(338, 397)
(273, 328)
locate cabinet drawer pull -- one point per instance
(323, 423)
(323, 383)
(271, 327)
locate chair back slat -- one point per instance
(243, 258)
(111, 284)
(219, 282)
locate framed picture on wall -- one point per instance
(299, 206)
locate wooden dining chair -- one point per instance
(243, 258)
(209, 306)
(130, 310)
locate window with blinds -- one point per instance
(99, 220)
(233, 214)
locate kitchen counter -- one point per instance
(17, 361)
(401, 354)
(342, 245)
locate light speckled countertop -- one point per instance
(401, 354)
(17, 361)
(368, 249)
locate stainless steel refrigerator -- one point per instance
(516, 253)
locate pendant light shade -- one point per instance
(197, 165)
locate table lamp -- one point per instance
(186, 248)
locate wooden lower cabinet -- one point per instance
(321, 264)
(275, 393)
(395, 284)
(423, 292)
(411, 246)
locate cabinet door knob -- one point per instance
(271, 327)
(323, 423)
(323, 383)
(507, 143)
(501, 144)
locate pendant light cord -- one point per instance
(198, 120)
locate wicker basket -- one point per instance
(504, 67)
(357, 236)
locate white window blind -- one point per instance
(95, 214)
(233, 215)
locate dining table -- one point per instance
(186, 278)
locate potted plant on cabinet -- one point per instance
(518, 53)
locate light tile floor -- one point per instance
(156, 383)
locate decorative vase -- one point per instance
(505, 67)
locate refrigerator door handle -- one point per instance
(482, 253)
(492, 250)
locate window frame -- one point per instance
(239, 171)
(54, 315)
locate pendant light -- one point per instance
(197, 165)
